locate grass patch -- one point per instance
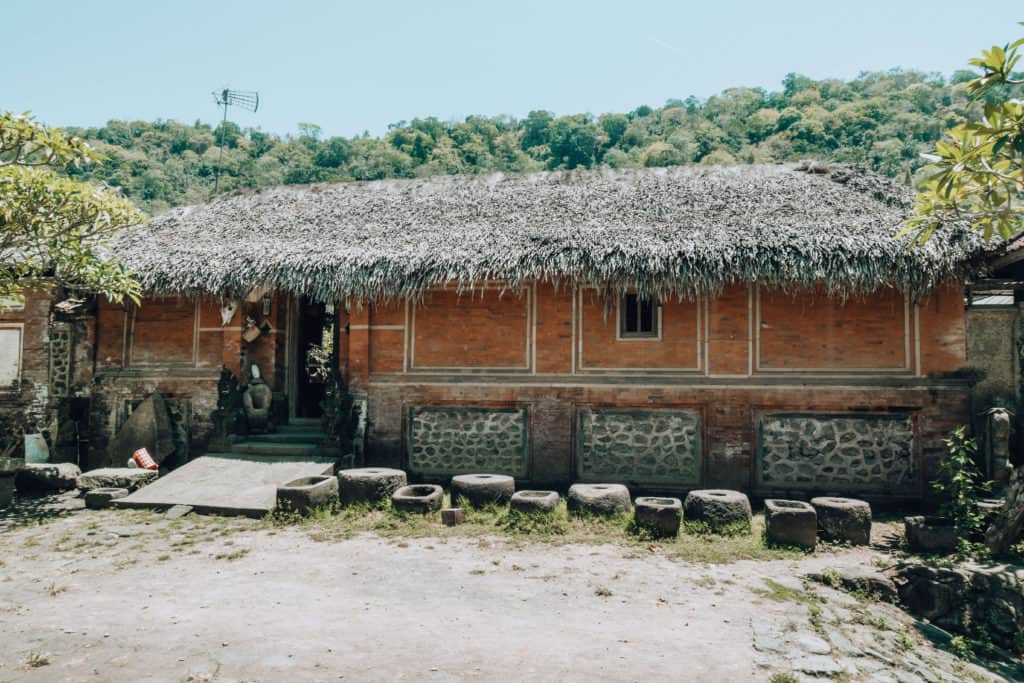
(776, 591)
(54, 590)
(333, 523)
(35, 660)
(784, 678)
(702, 528)
(602, 591)
(233, 555)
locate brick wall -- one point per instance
(26, 406)
(731, 360)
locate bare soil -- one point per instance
(132, 596)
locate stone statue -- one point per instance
(997, 443)
(256, 400)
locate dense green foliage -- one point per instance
(977, 171)
(53, 228)
(884, 120)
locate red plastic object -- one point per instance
(144, 460)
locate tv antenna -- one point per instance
(244, 99)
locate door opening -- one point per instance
(315, 353)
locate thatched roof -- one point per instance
(681, 231)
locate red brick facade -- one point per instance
(731, 360)
(555, 356)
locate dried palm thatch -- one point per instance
(681, 231)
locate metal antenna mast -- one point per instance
(246, 99)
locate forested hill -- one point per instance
(884, 120)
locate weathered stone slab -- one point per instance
(926, 534)
(859, 579)
(651, 446)
(718, 509)
(418, 499)
(458, 439)
(99, 498)
(149, 427)
(176, 511)
(843, 520)
(227, 483)
(373, 485)
(130, 478)
(598, 499)
(836, 452)
(308, 493)
(46, 477)
(453, 516)
(659, 516)
(1004, 529)
(483, 489)
(790, 522)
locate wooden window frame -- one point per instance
(654, 333)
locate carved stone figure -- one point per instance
(256, 400)
(997, 440)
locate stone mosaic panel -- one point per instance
(657, 446)
(841, 452)
(454, 439)
(60, 358)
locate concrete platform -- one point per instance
(227, 483)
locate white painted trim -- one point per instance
(759, 368)
(750, 330)
(15, 386)
(526, 292)
(572, 334)
(291, 376)
(195, 334)
(398, 381)
(707, 338)
(582, 369)
(917, 340)
(638, 337)
(533, 328)
(405, 336)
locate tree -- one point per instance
(976, 177)
(53, 228)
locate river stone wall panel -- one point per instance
(838, 452)
(657, 446)
(459, 439)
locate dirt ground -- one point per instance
(133, 596)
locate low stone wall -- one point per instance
(970, 599)
(447, 440)
(656, 446)
(837, 452)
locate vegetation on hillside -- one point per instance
(884, 120)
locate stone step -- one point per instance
(287, 437)
(300, 425)
(263, 448)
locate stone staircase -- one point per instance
(300, 437)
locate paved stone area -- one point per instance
(832, 635)
(227, 483)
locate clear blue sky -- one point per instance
(354, 66)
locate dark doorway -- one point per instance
(315, 351)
